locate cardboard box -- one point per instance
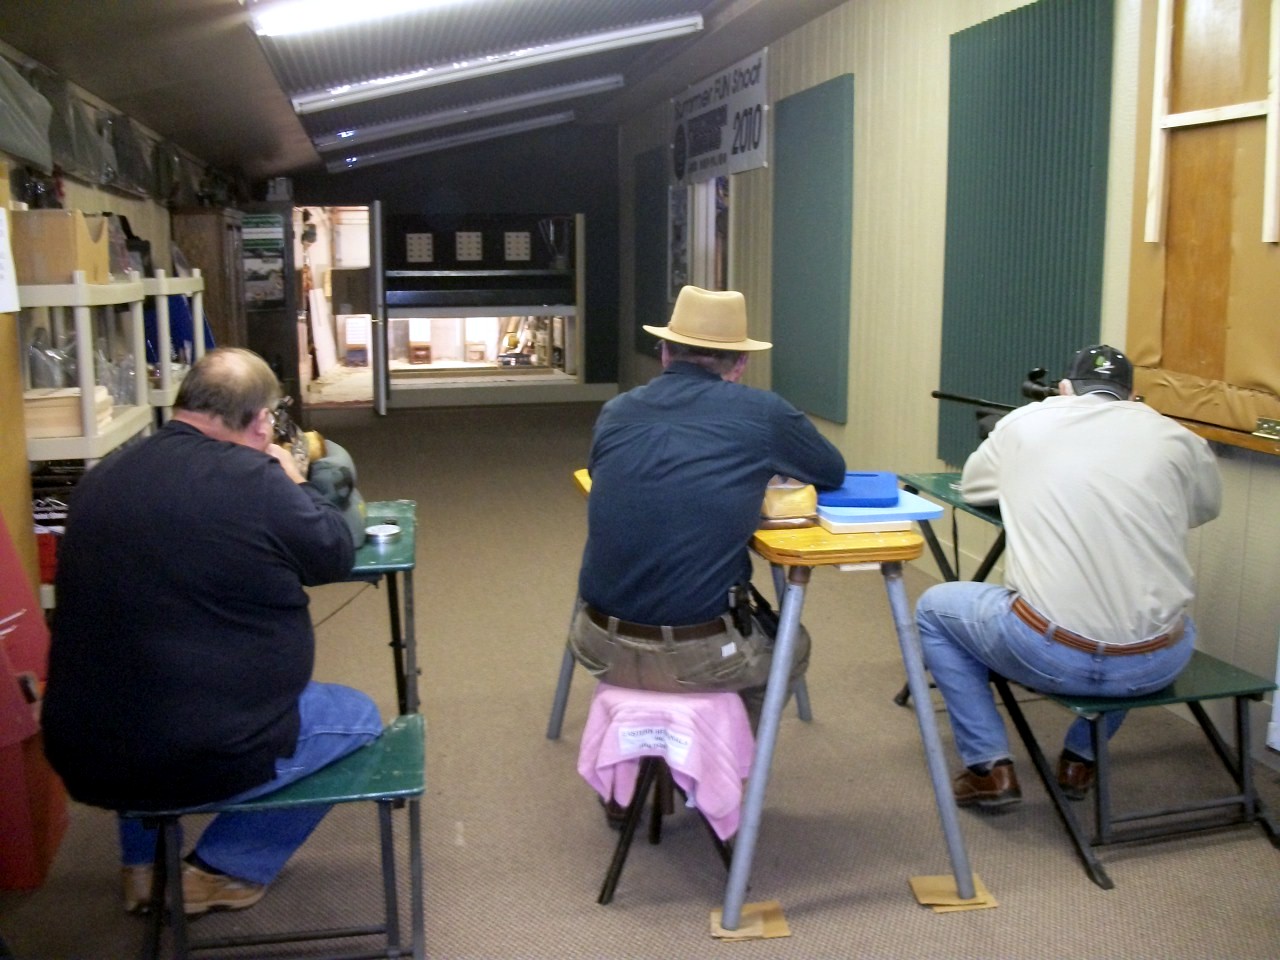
(55, 411)
(49, 246)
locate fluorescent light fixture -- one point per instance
(345, 139)
(355, 160)
(286, 18)
(485, 65)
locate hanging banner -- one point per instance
(263, 251)
(718, 125)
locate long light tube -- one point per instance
(497, 63)
(345, 139)
(287, 18)
(443, 143)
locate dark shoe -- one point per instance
(1075, 777)
(996, 789)
(614, 814)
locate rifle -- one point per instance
(1033, 388)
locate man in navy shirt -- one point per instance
(678, 469)
(180, 666)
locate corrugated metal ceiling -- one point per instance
(447, 33)
(194, 72)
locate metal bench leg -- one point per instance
(167, 877)
(1049, 778)
(1238, 766)
(417, 904)
(1102, 779)
(645, 782)
(390, 896)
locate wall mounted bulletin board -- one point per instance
(812, 247)
(1204, 295)
(650, 251)
(1027, 157)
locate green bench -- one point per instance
(1205, 678)
(388, 771)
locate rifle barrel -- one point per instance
(972, 401)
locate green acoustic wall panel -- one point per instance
(1026, 202)
(812, 247)
(650, 254)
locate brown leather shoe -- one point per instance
(136, 881)
(203, 891)
(1075, 777)
(997, 789)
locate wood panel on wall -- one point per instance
(1203, 291)
(15, 475)
(15, 472)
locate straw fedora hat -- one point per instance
(712, 319)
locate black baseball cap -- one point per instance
(1101, 369)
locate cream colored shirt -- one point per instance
(1097, 496)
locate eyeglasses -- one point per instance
(279, 413)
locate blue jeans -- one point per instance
(255, 846)
(968, 629)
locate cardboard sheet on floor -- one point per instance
(758, 921)
(939, 893)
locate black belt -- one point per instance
(647, 631)
(1028, 615)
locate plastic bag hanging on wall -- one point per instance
(131, 171)
(24, 119)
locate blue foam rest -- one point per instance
(863, 489)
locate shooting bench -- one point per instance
(1205, 678)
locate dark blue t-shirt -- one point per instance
(181, 636)
(678, 470)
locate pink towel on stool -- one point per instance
(705, 738)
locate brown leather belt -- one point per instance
(647, 631)
(1028, 615)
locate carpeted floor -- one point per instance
(516, 847)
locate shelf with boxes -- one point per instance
(68, 414)
(173, 351)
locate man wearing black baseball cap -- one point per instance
(1101, 369)
(1096, 493)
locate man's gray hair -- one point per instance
(230, 384)
(718, 362)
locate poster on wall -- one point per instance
(264, 260)
(719, 124)
(677, 240)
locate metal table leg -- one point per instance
(410, 702)
(913, 660)
(397, 638)
(561, 698)
(766, 737)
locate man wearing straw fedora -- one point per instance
(679, 468)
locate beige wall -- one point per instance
(898, 52)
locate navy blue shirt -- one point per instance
(181, 636)
(678, 470)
